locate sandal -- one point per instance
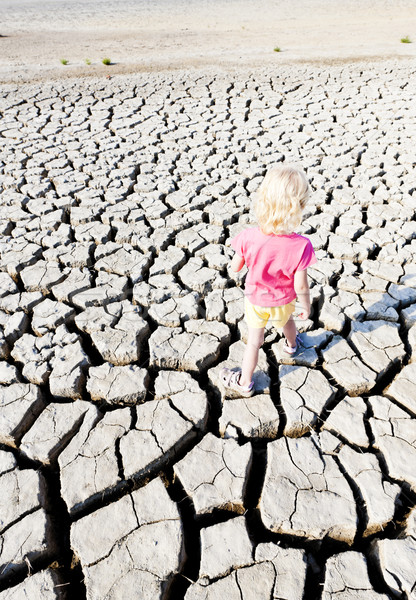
(288, 349)
(230, 380)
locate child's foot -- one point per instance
(292, 349)
(231, 380)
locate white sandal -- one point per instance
(230, 380)
(288, 349)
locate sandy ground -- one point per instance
(146, 35)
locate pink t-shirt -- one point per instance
(272, 261)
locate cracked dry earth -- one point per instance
(125, 471)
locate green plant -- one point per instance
(406, 40)
(106, 61)
(87, 61)
(277, 49)
(64, 61)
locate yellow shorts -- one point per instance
(257, 316)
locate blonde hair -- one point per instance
(281, 198)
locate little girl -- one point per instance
(277, 261)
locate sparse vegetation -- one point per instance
(277, 49)
(106, 61)
(87, 61)
(64, 61)
(406, 40)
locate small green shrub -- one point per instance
(64, 61)
(87, 61)
(406, 40)
(277, 49)
(106, 61)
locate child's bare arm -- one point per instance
(237, 263)
(302, 293)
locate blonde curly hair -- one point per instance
(280, 200)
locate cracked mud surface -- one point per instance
(123, 465)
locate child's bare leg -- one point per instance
(251, 355)
(290, 332)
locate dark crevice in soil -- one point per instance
(329, 407)
(314, 579)
(218, 515)
(100, 499)
(368, 415)
(254, 486)
(86, 342)
(191, 531)
(362, 514)
(214, 394)
(376, 576)
(69, 572)
(405, 502)
(386, 380)
(274, 369)
(119, 459)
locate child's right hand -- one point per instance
(304, 314)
